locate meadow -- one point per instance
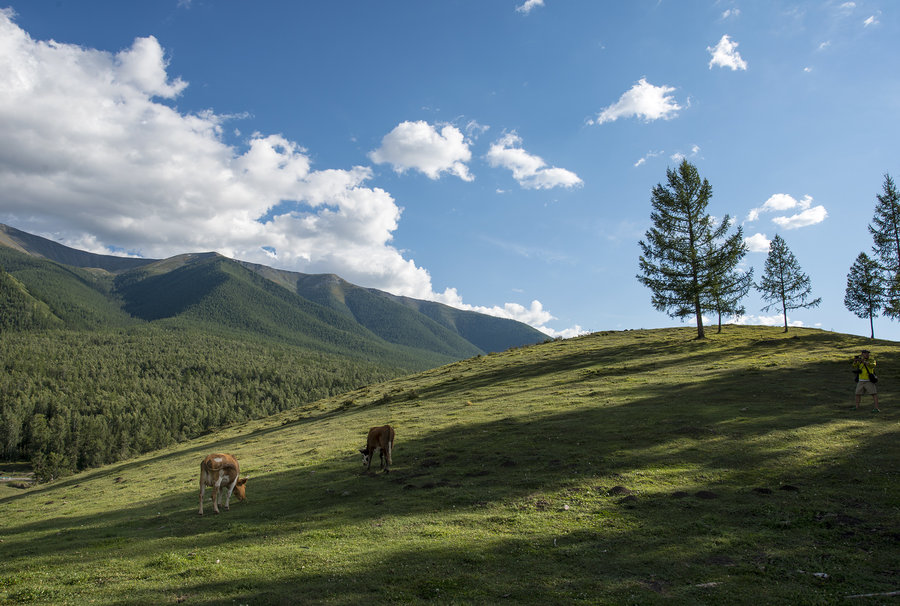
(634, 467)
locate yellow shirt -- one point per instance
(862, 365)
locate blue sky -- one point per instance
(496, 156)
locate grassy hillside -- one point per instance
(632, 467)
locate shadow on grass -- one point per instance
(743, 547)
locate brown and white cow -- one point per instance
(381, 439)
(221, 471)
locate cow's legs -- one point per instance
(230, 490)
(216, 495)
(202, 494)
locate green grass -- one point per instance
(631, 467)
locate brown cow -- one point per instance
(382, 440)
(221, 471)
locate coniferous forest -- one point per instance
(72, 400)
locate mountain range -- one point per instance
(44, 284)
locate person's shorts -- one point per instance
(866, 388)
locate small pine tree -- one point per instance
(783, 282)
(885, 230)
(685, 251)
(865, 294)
(727, 289)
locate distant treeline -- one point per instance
(70, 400)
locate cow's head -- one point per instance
(366, 455)
(240, 489)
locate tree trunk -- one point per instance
(700, 333)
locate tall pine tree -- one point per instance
(885, 230)
(865, 294)
(686, 253)
(783, 282)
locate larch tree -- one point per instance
(783, 281)
(728, 288)
(865, 294)
(885, 230)
(687, 252)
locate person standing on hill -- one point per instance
(864, 367)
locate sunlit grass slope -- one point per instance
(631, 467)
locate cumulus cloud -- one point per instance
(781, 203)
(534, 315)
(725, 54)
(93, 159)
(530, 171)
(731, 13)
(420, 146)
(757, 243)
(643, 100)
(529, 5)
(809, 216)
(773, 320)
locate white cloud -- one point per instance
(679, 156)
(757, 243)
(419, 145)
(810, 216)
(529, 170)
(780, 203)
(643, 100)
(773, 320)
(475, 130)
(725, 54)
(529, 6)
(731, 13)
(648, 156)
(144, 67)
(87, 146)
(535, 315)
(872, 20)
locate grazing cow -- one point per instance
(221, 471)
(381, 439)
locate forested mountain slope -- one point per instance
(211, 288)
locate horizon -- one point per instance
(497, 158)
